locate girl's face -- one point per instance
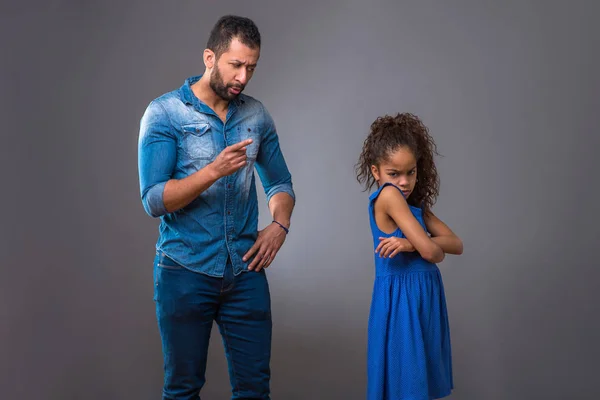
(399, 169)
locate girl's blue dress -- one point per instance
(409, 354)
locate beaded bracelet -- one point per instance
(283, 227)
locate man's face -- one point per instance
(233, 70)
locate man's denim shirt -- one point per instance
(179, 135)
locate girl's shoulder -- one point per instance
(388, 190)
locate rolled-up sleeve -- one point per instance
(157, 154)
(270, 163)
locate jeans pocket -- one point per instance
(162, 263)
(166, 266)
(155, 277)
(165, 262)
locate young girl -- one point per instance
(409, 354)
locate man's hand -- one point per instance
(267, 245)
(389, 247)
(231, 159)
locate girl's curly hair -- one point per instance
(387, 134)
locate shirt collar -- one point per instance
(188, 96)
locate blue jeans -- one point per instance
(187, 303)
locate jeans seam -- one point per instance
(236, 387)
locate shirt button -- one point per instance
(228, 212)
(228, 186)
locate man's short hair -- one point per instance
(229, 27)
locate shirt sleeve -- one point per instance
(270, 163)
(157, 155)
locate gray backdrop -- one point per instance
(507, 88)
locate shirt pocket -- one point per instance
(198, 142)
(251, 132)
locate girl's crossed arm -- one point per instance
(442, 235)
(394, 205)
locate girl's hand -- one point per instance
(389, 247)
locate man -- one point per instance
(198, 147)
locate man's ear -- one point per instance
(209, 58)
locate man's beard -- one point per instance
(220, 88)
